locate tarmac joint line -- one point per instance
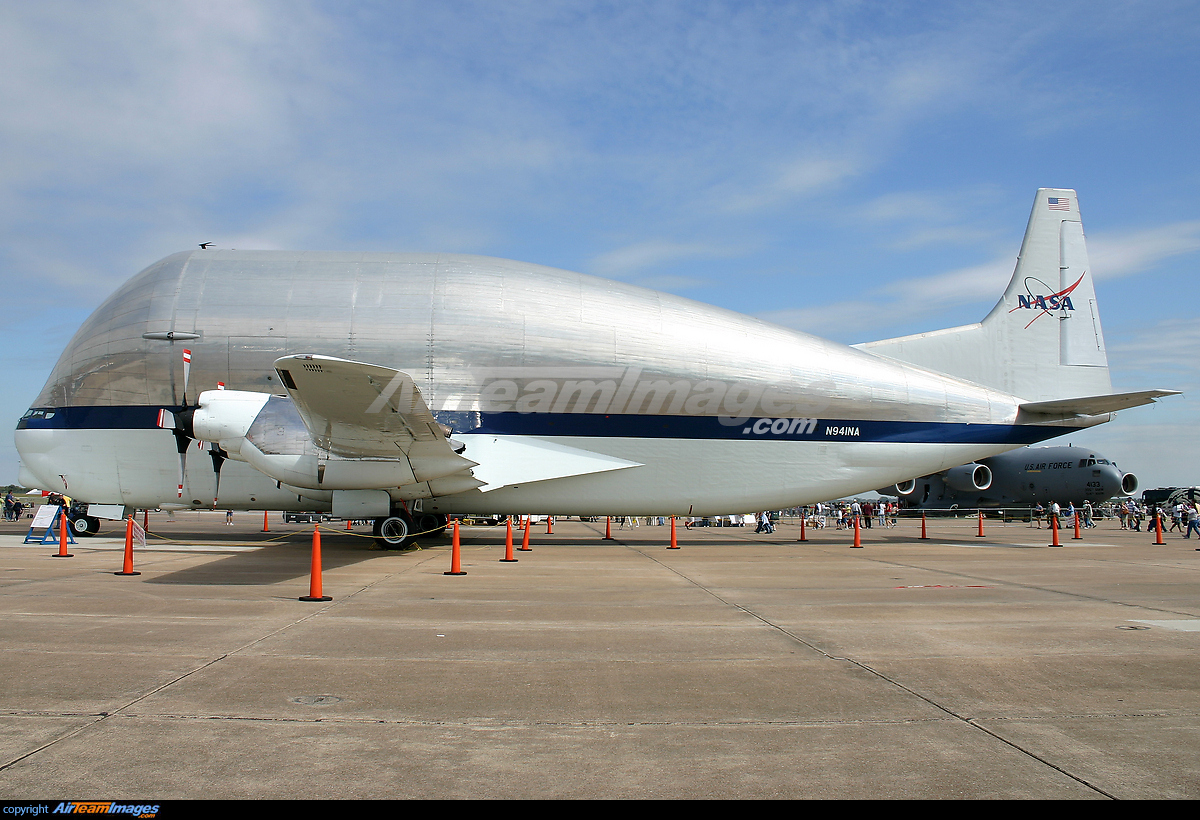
(891, 681)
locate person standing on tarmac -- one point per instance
(1193, 522)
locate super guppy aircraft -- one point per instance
(403, 387)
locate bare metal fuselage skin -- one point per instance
(718, 411)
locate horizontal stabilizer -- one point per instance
(506, 462)
(1095, 405)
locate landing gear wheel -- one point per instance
(85, 526)
(392, 532)
(431, 524)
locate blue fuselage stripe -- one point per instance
(711, 427)
(595, 425)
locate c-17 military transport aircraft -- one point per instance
(403, 387)
(1023, 477)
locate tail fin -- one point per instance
(1042, 341)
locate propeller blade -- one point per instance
(187, 371)
(218, 459)
(183, 440)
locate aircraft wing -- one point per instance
(1095, 405)
(358, 410)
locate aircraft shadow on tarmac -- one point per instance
(275, 562)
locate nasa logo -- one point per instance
(1042, 301)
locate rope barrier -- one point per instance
(288, 535)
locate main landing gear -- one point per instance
(399, 530)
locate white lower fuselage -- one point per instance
(139, 469)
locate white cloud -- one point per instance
(621, 263)
(902, 301)
(1124, 254)
(804, 176)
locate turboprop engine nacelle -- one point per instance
(968, 478)
(226, 414)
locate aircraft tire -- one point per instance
(85, 526)
(392, 532)
(431, 524)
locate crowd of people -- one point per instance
(843, 513)
(1179, 517)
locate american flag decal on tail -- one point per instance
(1059, 203)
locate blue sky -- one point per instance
(856, 170)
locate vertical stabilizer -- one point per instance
(1042, 341)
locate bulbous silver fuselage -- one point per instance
(754, 415)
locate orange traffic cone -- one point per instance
(608, 528)
(508, 542)
(127, 568)
(314, 574)
(455, 566)
(62, 534)
(857, 534)
(924, 534)
(525, 538)
(674, 541)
